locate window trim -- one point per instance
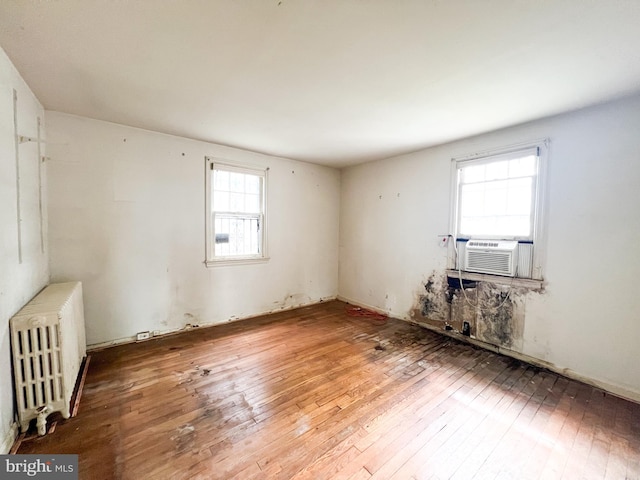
(538, 236)
(211, 164)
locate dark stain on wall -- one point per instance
(463, 310)
(489, 312)
(496, 315)
(435, 300)
(500, 315)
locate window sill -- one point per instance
(497, 279)
(226, 262)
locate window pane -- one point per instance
(236, 202)
(496, 198)
(477, 225)
(472, 200)
(236, 182)
(517, 225)
(236, 235)
(244, 192)
(252, 184)
(521, 225)
(221, 201)
(222, 228)
(220, 180)
(497, 170)
(473, 173)
(522, 167)
(252, 203)
(519, 196)
(501, 226)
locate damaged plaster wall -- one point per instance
(486, 311)
(24, 268)
(435, 301)
(127, 219)
(585, 322)
(500, 315)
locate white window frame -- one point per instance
(212, 164)
(538, 230)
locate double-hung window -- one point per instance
(236, 213)
(498, 197)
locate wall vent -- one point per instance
(491, 256)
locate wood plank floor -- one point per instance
(313, 393)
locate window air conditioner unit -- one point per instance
(491, 256)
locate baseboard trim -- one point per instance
(9, 439)
(368, 307)
(613, 389)
(122, 341)
(565, 372)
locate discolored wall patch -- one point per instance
(500, 315)
(433, 304)
(483, 310)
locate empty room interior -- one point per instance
(321, 239)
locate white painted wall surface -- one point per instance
(587, 320)
(127, 218)
(19, 282)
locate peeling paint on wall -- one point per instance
(500, 315)
(463, 307)
(190, 321)
(433, 302)
(489, 312)
(291, 301)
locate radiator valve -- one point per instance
(41, 419)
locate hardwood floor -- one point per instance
(314, 393)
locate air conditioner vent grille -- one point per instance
(475, 243)
(493, 257)
(489, 261)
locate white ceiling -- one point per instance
(335, 82)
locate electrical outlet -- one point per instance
(443, 240)
(466, 329)
(143, 336)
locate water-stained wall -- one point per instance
(486, 311)
(395, 213)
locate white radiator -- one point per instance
(48, 345)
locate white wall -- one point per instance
(19, 281)
(587, 319)
(126, 213)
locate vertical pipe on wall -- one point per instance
(17, 147)
(40, 208)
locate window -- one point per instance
(235, 212)
(498, 196)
